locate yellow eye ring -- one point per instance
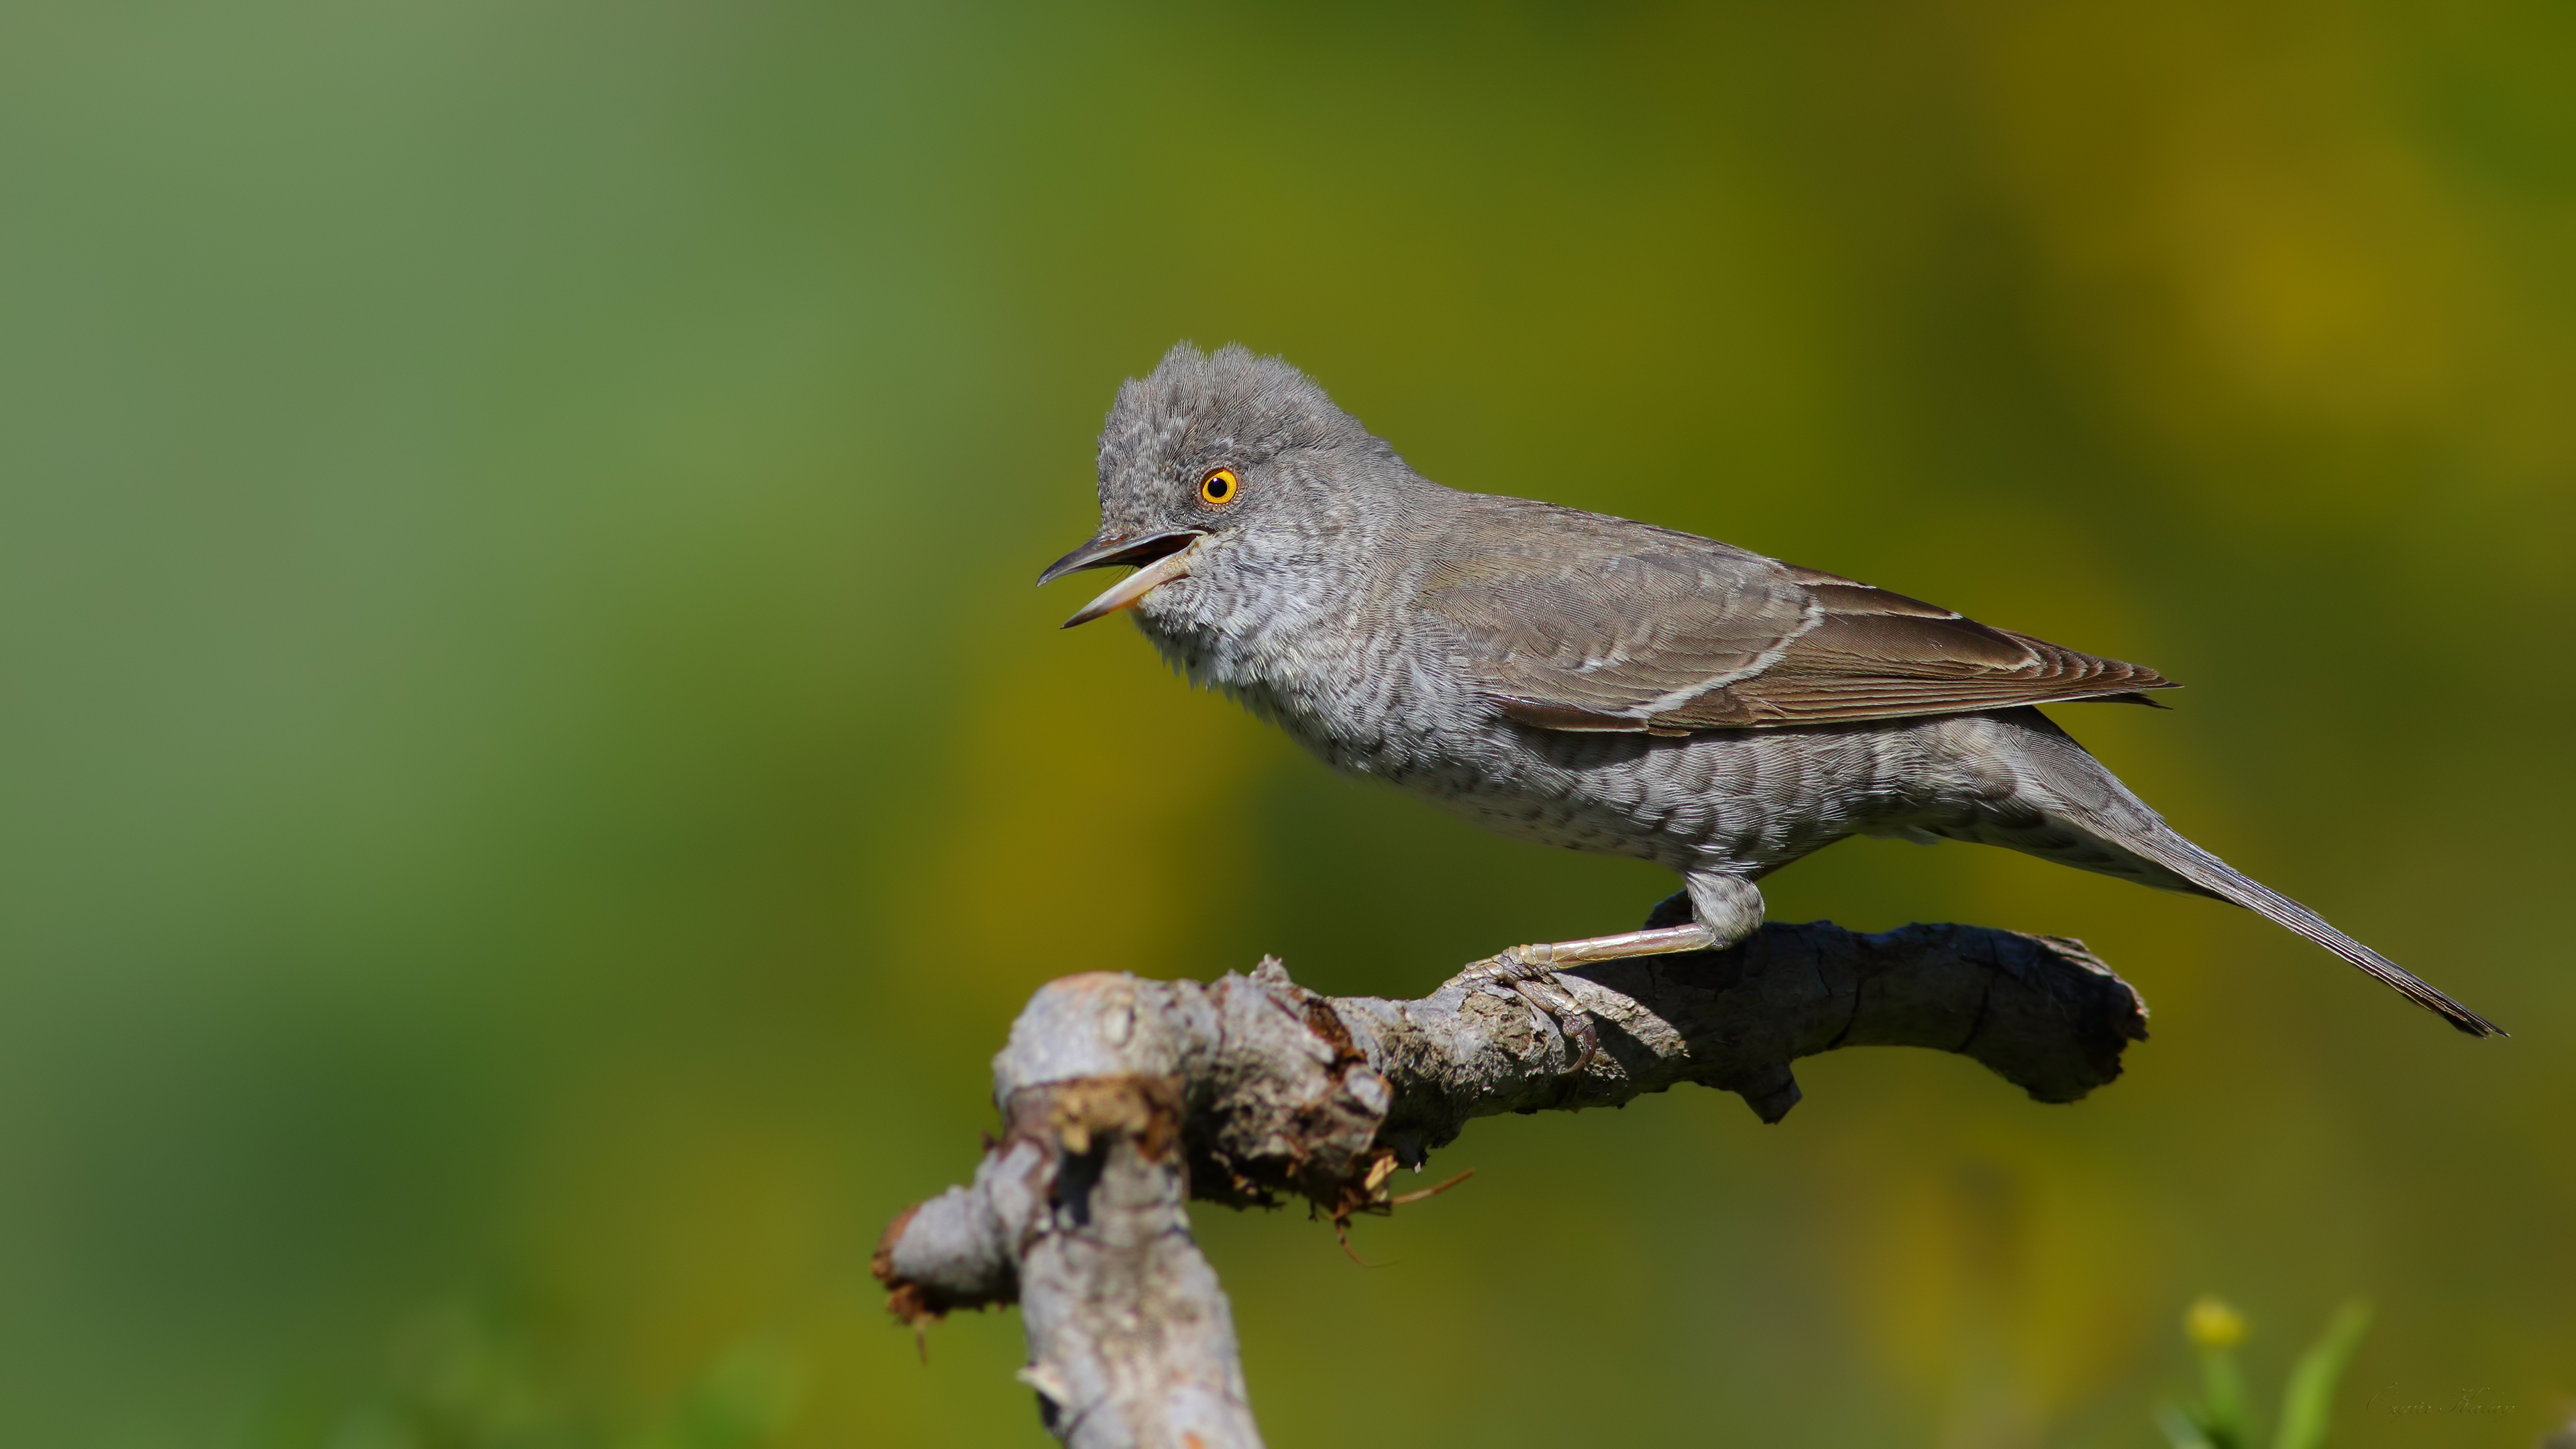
(1218, 488)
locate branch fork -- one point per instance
(1123, 1098)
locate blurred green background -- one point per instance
(534, 779)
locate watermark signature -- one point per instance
(2479, 1402)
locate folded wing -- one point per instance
(1577, 621)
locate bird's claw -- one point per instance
(1527, 972)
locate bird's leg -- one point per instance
(1729, 908)
(1728, 904)
(1525, 963)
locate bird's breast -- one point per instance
(1357, 684)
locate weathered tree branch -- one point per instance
(1122, 1097)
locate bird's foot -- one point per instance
(1530, 972)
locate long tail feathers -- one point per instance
(2167, 848)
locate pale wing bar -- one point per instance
(1854, 652)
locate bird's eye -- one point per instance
(1218, 488)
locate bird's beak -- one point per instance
(1163, 556)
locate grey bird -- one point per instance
(1598, 684)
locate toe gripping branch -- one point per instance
(1123, 1098)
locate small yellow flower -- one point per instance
(2212, 1324)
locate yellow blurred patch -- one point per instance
(1093, 818)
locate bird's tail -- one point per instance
(2090, 798)
(2169, 849)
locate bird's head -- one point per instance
(1218, 460)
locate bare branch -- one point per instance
(1123, 1097)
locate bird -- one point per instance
(1603, 685)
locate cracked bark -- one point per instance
(1122, 1098)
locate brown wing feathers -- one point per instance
(1875, 654)
(1627, 661)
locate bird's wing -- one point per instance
(1576, 621)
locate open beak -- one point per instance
(1162, 557)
